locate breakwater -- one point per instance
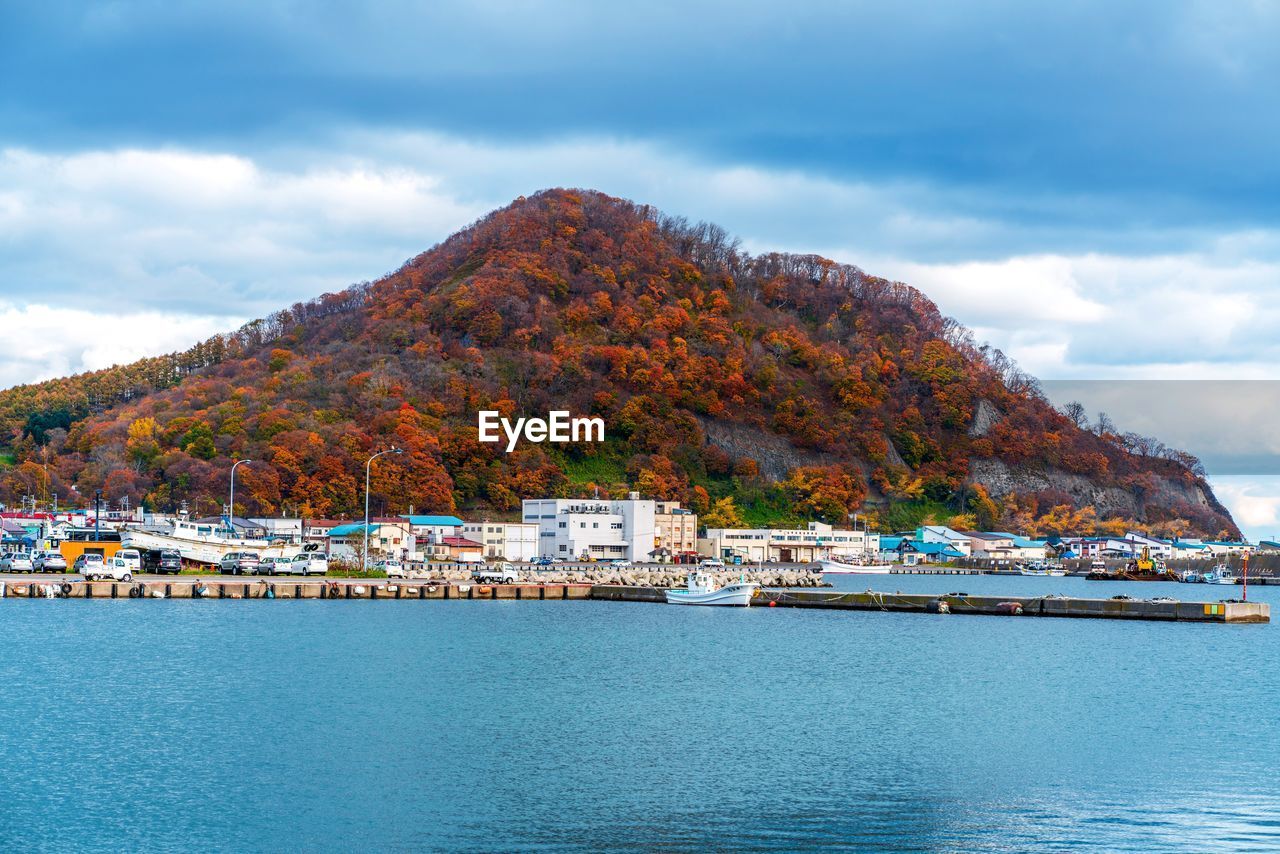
(1123, 608)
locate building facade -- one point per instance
(593, 529)
(514, 541)
(675, 531)
(787, 545)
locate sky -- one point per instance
(1092, 187)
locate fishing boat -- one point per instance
(702, 590)
(852, 566)
(1190, 576)
(203, 542)
(1041, 569)
(1220, 574)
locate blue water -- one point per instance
(144, 725)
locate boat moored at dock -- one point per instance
(852, 566)
(703, 590)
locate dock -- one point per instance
(1120, 608)
(1006, 606)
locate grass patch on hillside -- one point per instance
(603, 468)
(909, 515)
(6, 458)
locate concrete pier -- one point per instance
(1032, 606)
(918, 603)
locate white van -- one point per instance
(308, 563)
(132, 558)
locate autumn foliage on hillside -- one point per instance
(572, 300)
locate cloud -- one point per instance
(41, 342)
(1254, 503)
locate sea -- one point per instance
(142, 725)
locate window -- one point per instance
(563, 547)
(564, 524)
(595, 524)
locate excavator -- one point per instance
(1147, 568)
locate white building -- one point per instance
(787, 545)
(515, 541)
(1157, 548)
(593, 529)
(289, 530)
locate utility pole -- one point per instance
(364, 558)
(231, 507)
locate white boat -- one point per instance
(1220, 574)
(702, 590)
(1042, 570)
(203, 542)
(852, 566)
(1190, 576)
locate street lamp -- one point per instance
(364, 558)
(231, 508)
(97, 515)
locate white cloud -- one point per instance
(41, 341)
(1254, 503)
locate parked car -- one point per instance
(238, 563)
(49, 561)
(88, 563)
(274, 566)
(16, 562)
(500, 573)
(710, 563)
(391, 566)
(618, 563)
(543, 561)
(309, 563)
(162, 561)
(117, 569)
(132, 559)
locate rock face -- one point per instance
(1000, 480)
(775, 455)
(985, 416)
(651, 577)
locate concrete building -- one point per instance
(593, 529)
(787, 545)
(675, 530)
(430, 528)
(514, 541)
(288, 530)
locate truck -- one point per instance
(499, 573)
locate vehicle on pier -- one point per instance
(162, 561)
(239, 563)
(16, 562)
(117, 569)
(310, 561)
(49, 561)
(391, 566)
(502, 573)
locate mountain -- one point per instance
(771, 388)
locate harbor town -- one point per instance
(581, 535)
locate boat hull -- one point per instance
(836, 567)
(209, 551)
(733, 595)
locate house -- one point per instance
(918, 551)
(787, 545)
(433, 528)
(15, 537)
(1220, 548)
(454, 549)
(246, 529)
(594, 529)
(989, 545)
(386, 539)
(317, 530)
(889, 552)
(1157, 547)
(1024, 548)
(1190, 549)
(282, 529)
(514, 541)
(942, 534)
